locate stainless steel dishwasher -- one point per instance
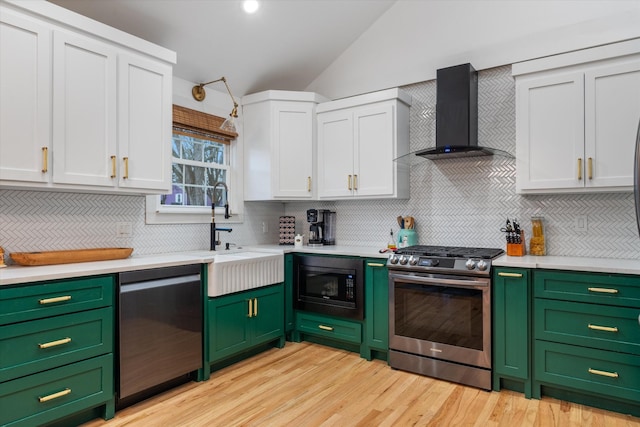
(160, 325)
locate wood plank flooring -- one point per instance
(306, 384)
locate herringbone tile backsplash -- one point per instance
(455, 202)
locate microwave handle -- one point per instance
(437, 281)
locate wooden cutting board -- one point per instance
(70, 256)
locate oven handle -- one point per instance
(439, 281)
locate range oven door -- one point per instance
(441, 316)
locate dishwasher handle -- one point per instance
(152, 284)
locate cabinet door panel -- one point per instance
(612, 109)
(550, 132)
(144, 123)
(335, 154)
(229, 333)
(293, 154)
(374, 150)
(25, 104)
(268, 322)
(84, 111)
(377, 304)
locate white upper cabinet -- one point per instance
(358, 140)
(144, 123)
(84, 111)
(279, 145)
(576, 120)
(84, 106)
(25, 99)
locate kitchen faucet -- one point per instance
(227, 215)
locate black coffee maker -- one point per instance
(322, 231)
(315, 228)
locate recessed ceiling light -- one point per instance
(250, 6)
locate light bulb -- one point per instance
(250, 6)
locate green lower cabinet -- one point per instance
(289, 318)
(511, 331)
(240, 321)
(376, 309)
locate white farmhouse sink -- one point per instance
(238, 271)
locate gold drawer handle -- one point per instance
(126, 167)
(349, 183)
(502, 274)
(355, 182)
(603, 290)
(603, 373)
(250, 308)
(590, 167)
(255, 307)
(54, 395)
(602, 328)
(45, 159)
(53, 300)
(309, 184)
(325, 328)
(55, 343)
(375, 264)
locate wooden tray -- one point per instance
(68, 257)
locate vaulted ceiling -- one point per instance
(285, 45)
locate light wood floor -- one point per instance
(307, 384)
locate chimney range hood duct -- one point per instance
(456, 115)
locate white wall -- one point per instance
(416, 37)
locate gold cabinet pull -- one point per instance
(255, 307)
(603, 373)
(590, 168)
(309, 184)
(375, 264)
(602, 328)
(349, 183)
(45, 159)
(503, 274)
(603, 290)
(55, 343)
(126, 167)
(54, 395)
(355, 182)
(54, 300)
(579, 168)
(113, 166)
(325, 328)
(250, 308)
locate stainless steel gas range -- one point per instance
(440, 312)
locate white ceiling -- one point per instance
(285, 45)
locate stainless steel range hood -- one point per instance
(456, 115)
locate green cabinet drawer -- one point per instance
(329, 327)
(38, 345)
(39, 300)
(41, 398)
(598, 372)
(588, 325)
(595, 288)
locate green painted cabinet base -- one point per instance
(376, 310)
(329, 330)
(511, 330)
(240, 321)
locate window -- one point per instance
(201, 170)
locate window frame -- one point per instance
(157, 213)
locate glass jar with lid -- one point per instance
(536, 242)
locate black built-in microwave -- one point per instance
(329, 285)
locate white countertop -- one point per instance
(16, 274)
(600, 265)
(19, 274)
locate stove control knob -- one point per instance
(404, 260)
(470, 264)
(393, 259)
(413, 260)
(482, 265)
